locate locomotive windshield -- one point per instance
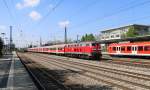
(95, 44)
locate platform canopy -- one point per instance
(131, 39)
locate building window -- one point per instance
(117, 35)
(112, 36)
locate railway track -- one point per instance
(103, 65)
(40, 75)
(93, 72)
(129, 63)
(137, 62)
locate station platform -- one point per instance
(13, 75)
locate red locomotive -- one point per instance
(130, 49)
(83, 50)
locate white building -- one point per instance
(119, 33)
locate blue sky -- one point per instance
(32, 19)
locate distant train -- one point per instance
(90, 50)
(129, 49)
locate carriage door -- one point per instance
(134, 49)
(118, 49)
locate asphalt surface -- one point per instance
(5, 64)
(13, 75)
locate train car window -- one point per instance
(93, 44)
(87, 45)
(147, 48)
(59, 48)
(119, 48)
(122, 48)
(135, 48)
(80, 50)
(114, 48)
(140, 48)
(129, 48)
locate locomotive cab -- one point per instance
(96, 50)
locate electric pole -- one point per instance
(77, 38)
(65, 35)
(10, 47)
(40, 41)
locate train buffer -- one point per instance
(13, 75)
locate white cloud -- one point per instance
(19, 6)
(64, 23)
(27, 3)
(35, 15)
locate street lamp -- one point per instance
(3, 35)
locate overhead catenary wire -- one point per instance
(84, 8)
(9, 10)
(109, 15)
(131, 20)
(50, 11)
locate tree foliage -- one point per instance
(1, 46)
(132, 32)
(88, 37)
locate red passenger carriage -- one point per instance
(130, 49)
(82, 49)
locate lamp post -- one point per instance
(6, 45)
(3, 36)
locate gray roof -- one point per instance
(125, 27)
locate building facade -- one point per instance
(119, 33)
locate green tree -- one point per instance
(88, 37)
(1, 46)
(83, 38)
(91, 37)
(132, 32)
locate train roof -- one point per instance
(126, 44)
(62, 45)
